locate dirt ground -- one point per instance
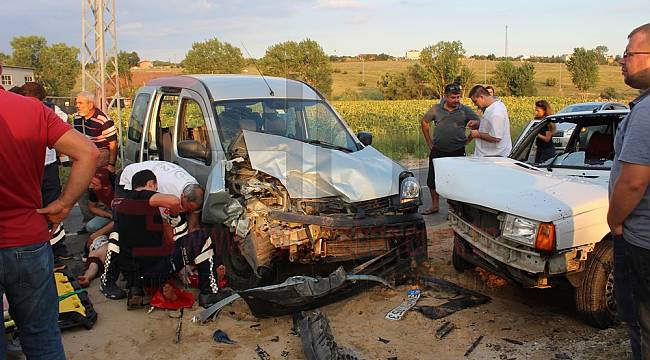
(539, 324)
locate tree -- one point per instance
(59, 68)
(133, 58)
(123, 66)
(515, 81)
(27, 51)
(305, 61)
(411, 84)
(443, 62)
(4, 59)
(583, 67)
(601, 54)
(214, 57)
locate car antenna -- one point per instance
(258, 70)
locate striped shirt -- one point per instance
(99, 128)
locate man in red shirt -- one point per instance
(27, 127)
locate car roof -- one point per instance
(580, 116)
(233, 87)
(596, 105)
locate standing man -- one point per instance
(629, 200)
(493, 132)
(99, 129)
(26, 262)
(450, 118)
(51, 187)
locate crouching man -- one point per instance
(149, 252)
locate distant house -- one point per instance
(413, 55)
(145, 64)
(566, 57)
(16, 76)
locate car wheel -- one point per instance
(239, 273)
(459, 264)
(595, 298)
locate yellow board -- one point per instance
(71, 303)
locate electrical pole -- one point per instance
(506, 42)
(99, 48)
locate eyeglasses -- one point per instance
(627, 54)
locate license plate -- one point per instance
(557, 141)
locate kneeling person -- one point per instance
(149, 252)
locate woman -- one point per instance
(544, 141)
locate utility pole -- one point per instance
(506, 42)
(485, 71)
(99, 48)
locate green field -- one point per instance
(348, 75)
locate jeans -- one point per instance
(26, 277)
(635, 263)
(96, 223)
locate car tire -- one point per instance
(239, 273)
(595, 300)
(457, 261)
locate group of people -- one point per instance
(143, 223)
(629, 183)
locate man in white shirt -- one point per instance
(493, 132)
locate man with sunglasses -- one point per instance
(629, 203)
(450, 118)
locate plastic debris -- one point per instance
(222, 337)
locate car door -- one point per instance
(194, 136)
(136, 133)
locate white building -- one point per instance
(412, 55)
(16, 76)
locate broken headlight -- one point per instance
(520, 229)
(409, 190)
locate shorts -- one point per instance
(434, 154)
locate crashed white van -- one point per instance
(540, 225)
(286, 180)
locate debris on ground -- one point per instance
(397, 313)
(316, 337)
(463, 298)
(444, 330)
(385, 341)
(261, 353)
(516, 342)
(221, 337)
(474, 345)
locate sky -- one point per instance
(166, 29)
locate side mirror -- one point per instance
(192, 149)
(365, 138)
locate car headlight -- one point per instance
(409, 190)
(520, 229)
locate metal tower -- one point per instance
(99, 49)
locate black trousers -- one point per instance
(434, 154)
(51, 186)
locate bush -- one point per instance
(551, 82)
(609, 93)
(361, 84)
(336, 70)
(345, 73)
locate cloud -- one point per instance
(340, 4)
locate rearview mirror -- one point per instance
(192, 149)
(365, 138)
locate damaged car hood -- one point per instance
(516, 188)
(310, 171)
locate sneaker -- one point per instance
(112, 291)
(208, 299)
(135, 298)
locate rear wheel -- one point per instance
(457, 260)
(595, 298)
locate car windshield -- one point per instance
(579, 107)
(592, 147)
(310, 121)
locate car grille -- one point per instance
(374, 206)
(484, 219)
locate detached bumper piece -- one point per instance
(303, 292)
(75, 308)
(462, 298)
(316, 337)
